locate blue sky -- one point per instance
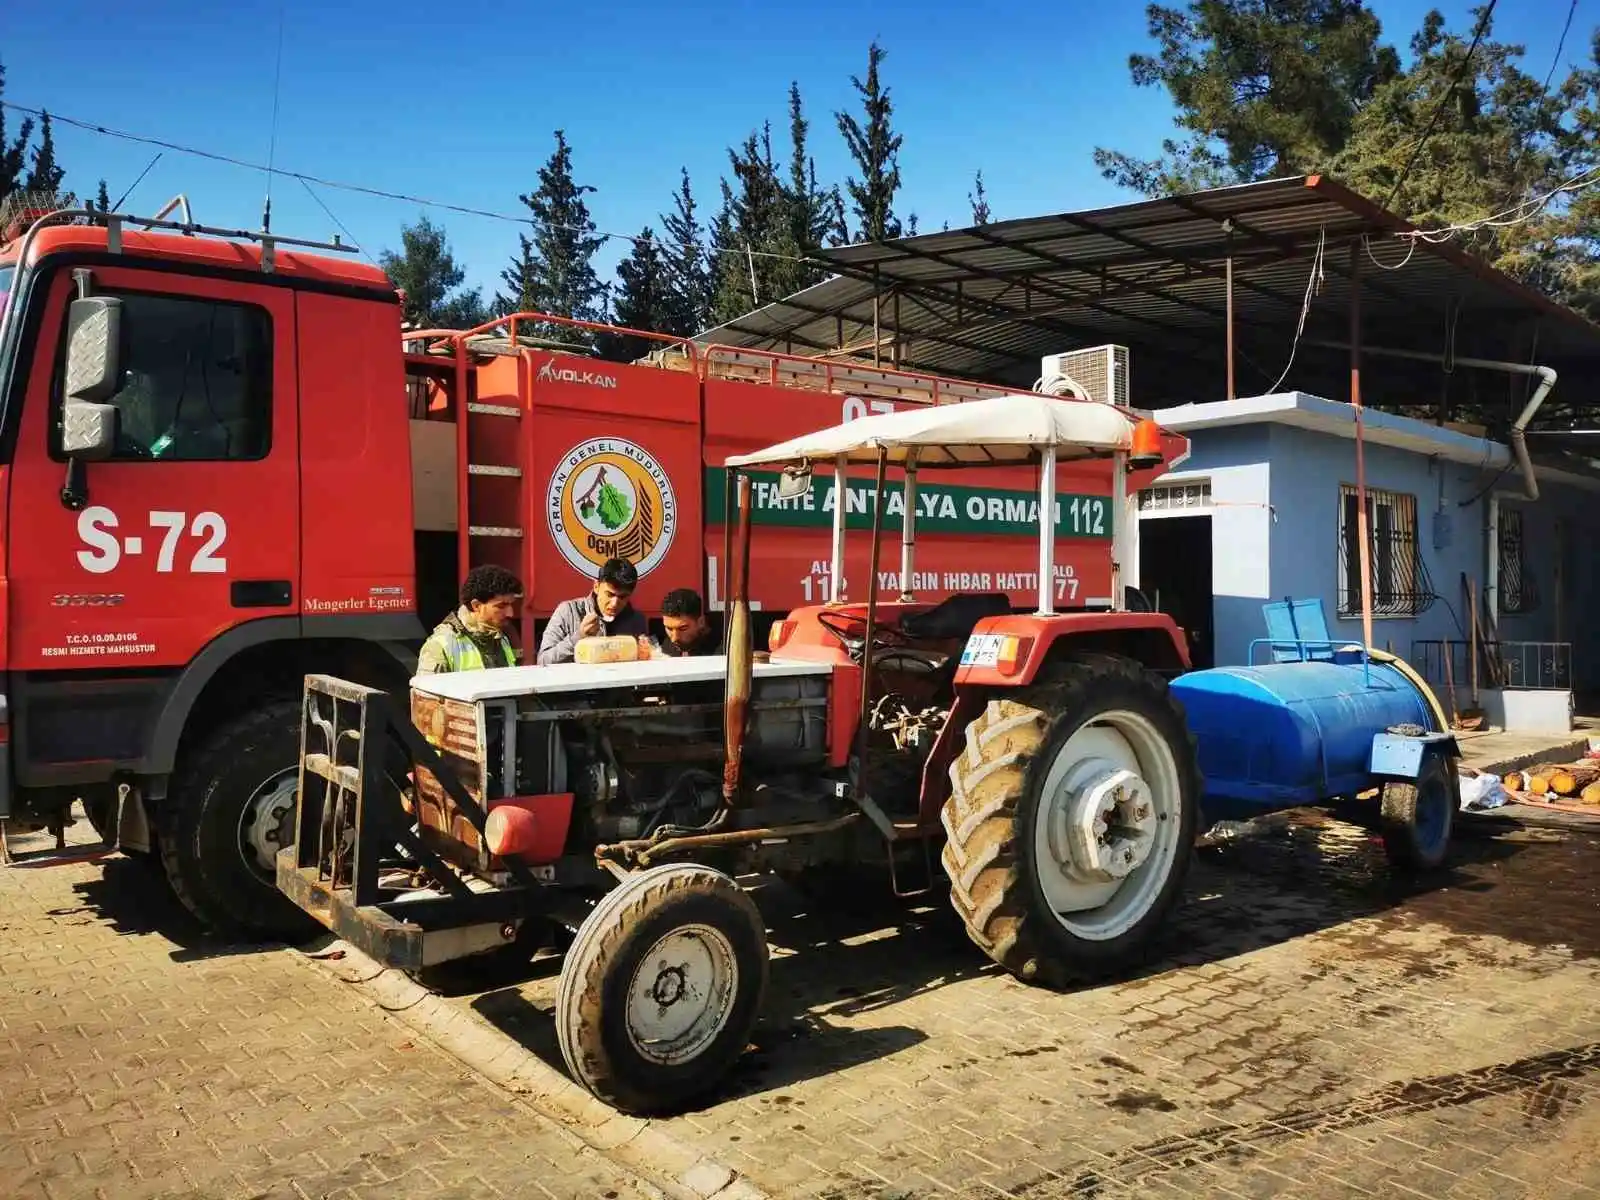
(460, 105)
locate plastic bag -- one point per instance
(1482, 792)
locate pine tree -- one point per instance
(979, 199)
(875, 147)
(46, 175)
(752, 222)
(810, 206)
(13, 154)
(688, 272)
(838, 225)
(645, 299)
(1263, 88)
(102, 199)
(553, 271)
(427, 272)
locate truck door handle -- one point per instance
(260, 593)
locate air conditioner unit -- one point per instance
(1098, 373)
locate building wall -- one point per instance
(1275, 523)
(1306, 550)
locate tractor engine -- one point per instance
(637, 765)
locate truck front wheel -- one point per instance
(1070, 821)
(229, 808)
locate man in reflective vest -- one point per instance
(473, 637)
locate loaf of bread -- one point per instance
(591, 650)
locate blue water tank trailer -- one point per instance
(1322, 730)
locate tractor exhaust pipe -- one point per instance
(741, 651)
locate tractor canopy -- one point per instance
(1000, 431)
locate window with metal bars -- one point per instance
(1518, 592)
(1399, 588)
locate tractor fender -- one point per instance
(1151, 639)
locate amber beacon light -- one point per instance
(1146, 448)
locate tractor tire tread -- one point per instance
(176, 820)
(580, 1019)
(988, 781)
(1397, 816)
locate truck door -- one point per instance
(192, 526)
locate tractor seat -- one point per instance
(954, 616)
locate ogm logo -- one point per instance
(610, 498)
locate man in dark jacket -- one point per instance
(606, 611)
(688, 632)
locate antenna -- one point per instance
(122, 199)
(272, 143)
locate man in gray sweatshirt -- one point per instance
(606, 611)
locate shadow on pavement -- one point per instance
(794, 1038)
(133, 897)
(847, 947)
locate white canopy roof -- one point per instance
(1002, 429)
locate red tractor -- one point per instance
(619, 800)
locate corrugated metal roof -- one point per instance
(988, 302)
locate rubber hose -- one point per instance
(1441, 725)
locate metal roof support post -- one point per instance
(908, 532)
(1363, 529)
(841, 501)
(1047, 530)
(877, 335)
(1121, 520)
(1229, 226)
(896, 318)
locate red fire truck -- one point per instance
(225, 465)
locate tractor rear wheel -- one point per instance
(1070, 821)
(661, 988)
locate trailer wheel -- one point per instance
(1070, 820)
(661, 988)
(1415, 820)
(229, 808)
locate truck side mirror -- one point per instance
(89, 424)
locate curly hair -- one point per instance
(484, 583)
(682, 602)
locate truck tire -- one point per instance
(230, 804)
(1071, 819)
(1415, 820)
(661, 988)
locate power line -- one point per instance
(380, 193)
(1515, 215)
(323, 206)
(1483, 26)
(1544, 90)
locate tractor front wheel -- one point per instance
(661, 988)
(1070, 820)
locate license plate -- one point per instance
(982, 650)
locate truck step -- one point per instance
(495, 410)
(491, 469)
(499, 531)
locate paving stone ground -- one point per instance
(1315, 1028)
(138, 1059)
